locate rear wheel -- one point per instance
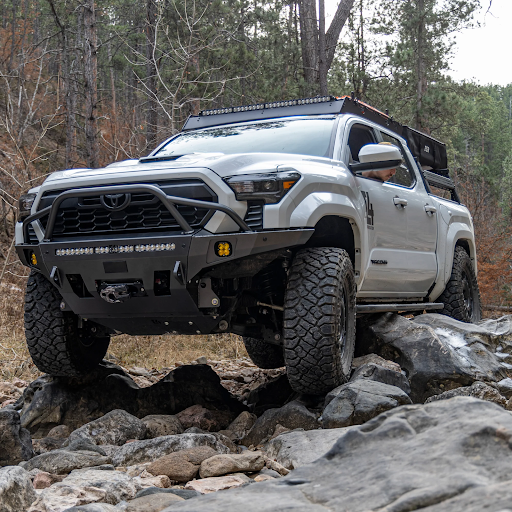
(264, 355)
(319, 325)
(461, 297)
(55, 342)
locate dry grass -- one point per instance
(14, 357)
(163, 351)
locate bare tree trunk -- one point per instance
(113, 123)
(13, 34)
(151, 80)
(317, 61)
(4, 15)
(322, 56)
(364, 76)
(309, 43)
(334, 31)
(196, 102)
(360, 79)
(37, 23)
(21, 74)
(69, 86)
(91, 89)
(71, 93)
(421, 122)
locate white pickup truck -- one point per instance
(260, 220)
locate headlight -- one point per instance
(270, 188)
(25, 205)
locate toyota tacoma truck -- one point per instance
(260, 220)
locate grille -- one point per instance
(145, 212)
(254, 215)
(32, 238)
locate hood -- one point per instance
(223, 165)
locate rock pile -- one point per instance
(418, 425)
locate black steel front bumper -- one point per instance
(177, 311)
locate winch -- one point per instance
(120, 292)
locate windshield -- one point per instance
(298, 136)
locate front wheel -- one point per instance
(319, 320)
(55, 342)
(461, 297)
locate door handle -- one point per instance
(399, 202)
(430, 209)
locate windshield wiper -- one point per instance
(162, 158)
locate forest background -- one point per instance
(88, 82)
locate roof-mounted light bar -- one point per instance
(319, 105)
(262, 106)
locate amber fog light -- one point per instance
(33, 259)
(223, 249)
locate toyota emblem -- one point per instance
(115, 201)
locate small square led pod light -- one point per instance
(223, 249)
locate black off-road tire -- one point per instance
(461, 297)
(319, 320)
(57, 346)
(264, 355)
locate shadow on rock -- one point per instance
(51, 401)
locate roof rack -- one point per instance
(429, 151)
(298, 107)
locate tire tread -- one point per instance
(310, 319)
(51, 334)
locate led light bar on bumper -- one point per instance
(114, 249)
(270, 188)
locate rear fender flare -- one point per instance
(457, 232)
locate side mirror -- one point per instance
(377, 157)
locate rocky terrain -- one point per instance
(423, 423)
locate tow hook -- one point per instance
(121, 292)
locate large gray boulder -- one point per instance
(15, 441)
(116, 427)
(446, 456)
(491, 333)
(476, 390)
(218, 465)
(298, 448)
(373, 371)
(87, 486)
(181, 466)
(63, 461)
(437, 352)
(16, 490)
(291, 416)
(154, 503)
(94, 507)
(360, 400)
(75, 401)
(162, 425)
(505, 387)
(150, 450)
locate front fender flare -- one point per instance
(321, 204)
